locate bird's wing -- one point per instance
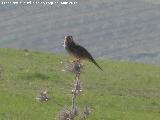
(83, 52)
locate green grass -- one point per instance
(123, 91)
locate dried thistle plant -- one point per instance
(42, 96)
(70, 114)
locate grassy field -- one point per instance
(123, 91)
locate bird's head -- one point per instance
(68, 40)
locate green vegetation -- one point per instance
(123, 91)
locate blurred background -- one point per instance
(116, 29)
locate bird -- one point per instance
(78, 51)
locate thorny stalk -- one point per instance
(70, 114)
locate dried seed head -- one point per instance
(67, 114)
(42, 96)
(74, 67)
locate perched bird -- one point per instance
(78, 51)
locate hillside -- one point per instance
(123, 91)
(117, 29)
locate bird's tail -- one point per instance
(96, 64)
